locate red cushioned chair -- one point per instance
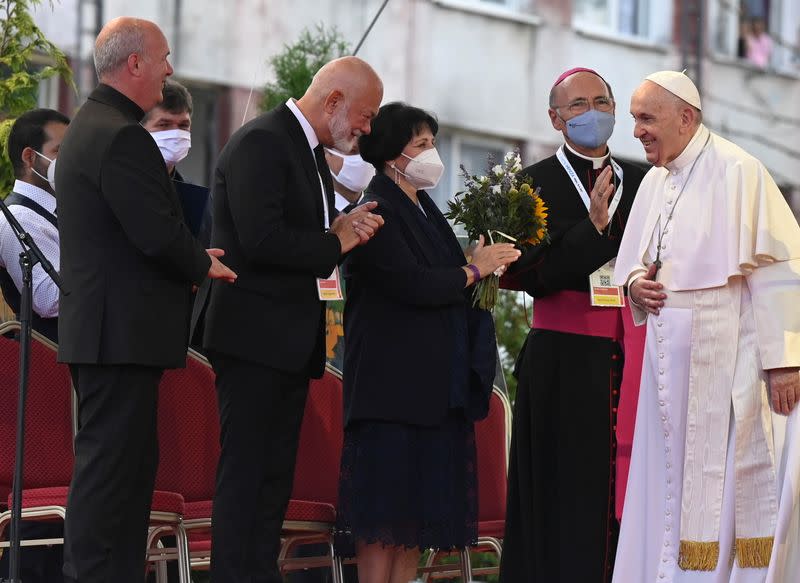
(188, 431)
(311, 515)
(492, 439)
(48, 445)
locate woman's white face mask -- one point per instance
(424, 170)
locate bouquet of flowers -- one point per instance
(502, 205)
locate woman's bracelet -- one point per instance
(476, 273)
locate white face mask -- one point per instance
(51, 171)
(174, 144)
(355, 173)
(424, 170)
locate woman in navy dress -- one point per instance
(418, 366)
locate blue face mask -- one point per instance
(590, 129)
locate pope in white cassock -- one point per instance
(711, 255)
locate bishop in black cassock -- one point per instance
(561, 524)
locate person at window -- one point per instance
(758, 44)
(419, 363)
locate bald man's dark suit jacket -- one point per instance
(268, 216)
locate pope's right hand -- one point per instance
(646, 292)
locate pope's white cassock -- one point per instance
(714, 486)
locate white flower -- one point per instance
(498, 170)
(497, 188)
(483, 179)
(510, 156)
(517, 167)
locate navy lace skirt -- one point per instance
(411, 486)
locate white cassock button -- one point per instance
(661, 371)
(666, 231)
(661, 355)
(669, 496)
(661, 339)
(669, 201)
(669, 465)
(660, 324)
(673, 187)
(661, 402)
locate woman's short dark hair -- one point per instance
(392, 129)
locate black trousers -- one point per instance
(116, 458)
(261, 410)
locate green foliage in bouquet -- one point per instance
(502, 206)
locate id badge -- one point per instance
(330, 288)
(604, 293)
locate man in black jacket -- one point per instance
(128, 262)
(274, 213)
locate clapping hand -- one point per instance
(356, 227)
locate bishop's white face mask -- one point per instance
(424, 170)
(174, 144)
(355, 173)
(51, 171)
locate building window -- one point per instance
(632, 18)
(471, 150)
(763, 33)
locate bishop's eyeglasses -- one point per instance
(581, 105)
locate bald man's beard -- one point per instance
(341, 132)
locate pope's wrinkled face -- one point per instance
(658, 123)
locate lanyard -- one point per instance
(663, 231)
(562, 157)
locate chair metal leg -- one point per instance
(184, 560)
(466, 565)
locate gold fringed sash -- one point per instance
(698, 556)
(753, 552)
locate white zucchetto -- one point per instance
(678, 84)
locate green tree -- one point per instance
(297, 64)
(23, 47)
(511, 321)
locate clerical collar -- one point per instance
(690, 152)
(597, 163)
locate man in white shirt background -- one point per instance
(33, 145)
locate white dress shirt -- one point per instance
(313, 142)
(45, 235)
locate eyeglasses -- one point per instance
(582, 105)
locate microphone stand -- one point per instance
(28, 258)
